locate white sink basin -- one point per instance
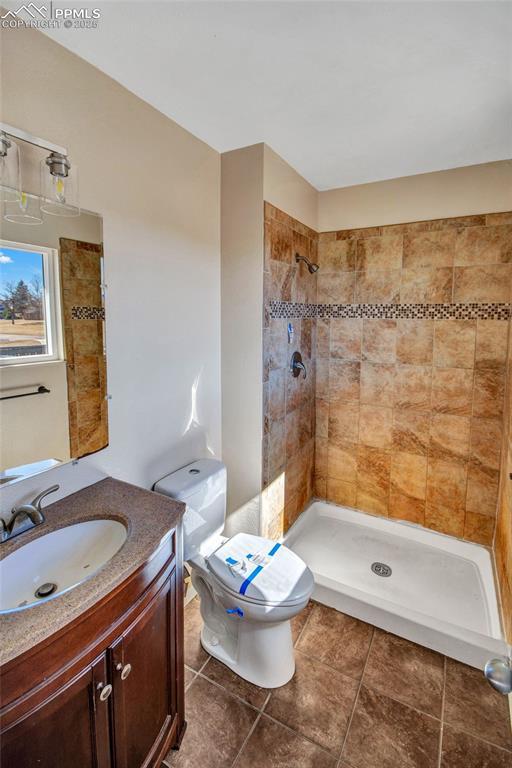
(57, 562)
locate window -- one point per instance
(29, 304)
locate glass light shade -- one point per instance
(10, 174)
(59, 193)
(26, 210)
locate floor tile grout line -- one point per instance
(326, 664)
(203, 665)
(296, 643)
(244, 743)
(477, 737)
(288, 727)
(230, 693)
(370, 687)
(441, 731)
(300, 734)
(266, 701)
(338, 764)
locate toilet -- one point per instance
(249, 587)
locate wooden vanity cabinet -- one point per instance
(70, 729)
(118, 704)
(141, 670)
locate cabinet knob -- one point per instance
(105, 691)
(125, 671)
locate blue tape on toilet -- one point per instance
(243, 588)
(230, 561)
(236, 611)
(251, 576)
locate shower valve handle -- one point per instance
(296, 365)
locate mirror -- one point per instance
(53, 396)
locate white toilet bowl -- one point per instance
(250, 632)
(249, 587)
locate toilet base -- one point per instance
(258, 649)
(260, 653)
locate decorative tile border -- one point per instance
(456, 311)
(87, 313)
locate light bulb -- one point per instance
(59, 187)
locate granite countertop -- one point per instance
(148, 516)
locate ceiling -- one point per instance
(346, 92)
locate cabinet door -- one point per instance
(68, 730)
(144, 679)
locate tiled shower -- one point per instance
(404, 334)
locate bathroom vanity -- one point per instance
(95, 676)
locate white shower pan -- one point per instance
(430, 588)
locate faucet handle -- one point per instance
(296, 365)
(40, 496)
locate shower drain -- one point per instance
(381, 569)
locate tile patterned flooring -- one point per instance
(360, 698)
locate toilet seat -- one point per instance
(256, 570)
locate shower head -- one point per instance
(312, 267)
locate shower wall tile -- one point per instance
(402, 507)
(402, 412)
(414, 342)
(411, 431)
(482, 490)
(341, 492)
(449, 436)
(454, 344)
(345, 340)
(491, 344)
(410, 406)
(452, 390)
(482, 283)
(429, 249)
(484, 245)
(83, 321)
(409, 475)
(488, 393)
(486, 436)
(503, 538)
(289, 411)
(379, 341)
(376, 253)
(426, 285)
(447, 520)
(375, 426)
(413, 387)
(377, 287)
(377, 383)
(337, 255)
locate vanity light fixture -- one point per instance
(58, 193)
(10, 176)
(26, 210)
(59, 186)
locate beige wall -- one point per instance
(158, 190)
(288, 190)
(34, 428)
(459, 192)
(242, 307)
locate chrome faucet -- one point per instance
(24, 517)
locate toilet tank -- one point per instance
(202, 487)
